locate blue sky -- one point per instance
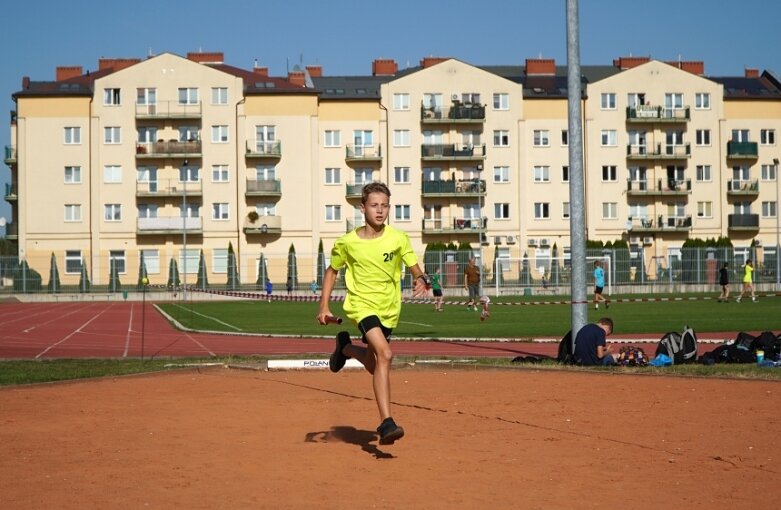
(345, 36)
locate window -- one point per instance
(608, 101)
(502, 211)
(333, 176)
(704, 209)
(470, 97)
(263, 209)
(609, 210)
(401, 137)
(608, 138)
(702, 101)
(634, 99)
(673, 138)
(501, 138)
(741, 173)
(112, 135)
(219, 95)
(401, 101)
(72, 175)
(363, 175)
(220, 173)
(565, 173)
(146, 97)
(220, 211)
(541, 174)
(432, 101)
(333, 138)
(565, 138)
(189, 174)
(112, 97)
(147, 210)
(116, 258)
(609, 173)
(541, 210)
(637, 210)
(741, 208)
(502, 174)
(501, 101)
(363, 138)
(188, 96)
(541, 138)
(769, 209)
(676, 210)
(220, 134)
(73, 261)
(769, 172)
(220, 260)
(565, 210)
(703, 173)
(740, 135)
(402, 212)
(401, 175)
(112, 174)
(673, 101)
(189, 133)
(72, 212)
(112, 212)
(432, 174)
(767, 136)
(333, 213)
(72, 135)
(702, 136)
(151, 260)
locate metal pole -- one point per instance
(144, 283)
(185, 176)
(576, 182)
(778, 244)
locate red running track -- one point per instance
(121, 330)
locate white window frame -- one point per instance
(705, 209)
(402, 212)
(769, 209)
(702, 101)
(541, 138)
(767, 137)
(702, 137)
(502, 174)
(112, 174)
(401, 101)
(73, 261)
(332, 138)
(541, 173)
(703, 173)
(565, 211)
(768, 172)
(401, 175)
(501, 211)
(333, 213)
(72, 135)
(112, 135)
(72, 174)
(220, 173)
(120, 260)
(501, 138)
(72, 213)
(332, 176)
(151, 260)
(220, 211)
(501, 101)
(187, 96)
(541, 210)
(609, 210)
(608, 101)
(401, 137)
(220, 133)
(112, 96)
(112, 212)
(220, 261)
(608, 138)
(219, 96)
(609, 173)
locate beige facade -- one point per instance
(471, 155)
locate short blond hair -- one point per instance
(374, 187)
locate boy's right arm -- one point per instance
(329, 280)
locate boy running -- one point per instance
(599, 285)
(748, 281)
(373, 255)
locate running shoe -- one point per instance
(338, 359)
(389, 431)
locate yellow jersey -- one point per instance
(748, 275)
(373, 275)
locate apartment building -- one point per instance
(172, 158)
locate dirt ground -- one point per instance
(476, 438)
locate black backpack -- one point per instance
(565, 350)
(770, 343)
(679, 347)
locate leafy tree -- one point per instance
(54, 276)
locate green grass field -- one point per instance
(506, 321)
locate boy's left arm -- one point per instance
(421, 279)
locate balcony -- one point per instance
(12, 231)
(666, 152)
(362, 153)
(264, 150)
(264, 188)
(454, 188)
(449, 152)
(263, 225)
(355, 190)
(171, 148)
(354, 223)
(660, 224)
(169, 110)
(743, 221)
(169, 188)
(10, 155)
(457, 114)
(657, 114)
(740, 188)
(455, 226)
(660, 187)
(11, 192)
(169, 225)
(742, 150)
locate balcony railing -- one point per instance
(453, 188)
(169, 188)
(647, 113)
(169, 110)
(263, 225)
(259, 149)
(742, 150)
(12, 231)
(660, 224)
(355, 190)
(10, 155)
(658, 151)
(162, 149)
(264, 188)
(169, 225)
(455, 225)
(363, 153)
(659, 187)
(743, 221)
(459, 113)
(11, 192)
(737, 187)
(452, 152)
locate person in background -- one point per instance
(724, 282)
(314, 286)
(269, 289)
(436, 289)
(472, 283)
(599, 285)
(748, 281)
(591, 344)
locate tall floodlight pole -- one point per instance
(778, 232)
(185, 176)
(577, 195)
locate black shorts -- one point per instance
(371, 322)
(597, 290)
(437, 292)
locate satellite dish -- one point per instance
(2, 221)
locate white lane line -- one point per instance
(129, 330)
(210, 318)
(70, 334)
(417, 324)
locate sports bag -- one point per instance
(679, 347)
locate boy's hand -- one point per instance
(422, 284)
(322, 317)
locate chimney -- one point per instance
(540, 67)
(384, 67)
(65, 72)
(624, 63)
(694, 67)
(315, 71)
(296, 78)
(260, 71)
(206, 57)
(427, 62)
(25, 82)
(752, 72)
(116, 64)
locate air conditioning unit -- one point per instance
(544, 242)
(454, 97)
(648, 240)
(497, 239)
(510, 239)
(532, 242)
(758, 243)
(634, 240)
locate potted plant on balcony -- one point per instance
(253, 216)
